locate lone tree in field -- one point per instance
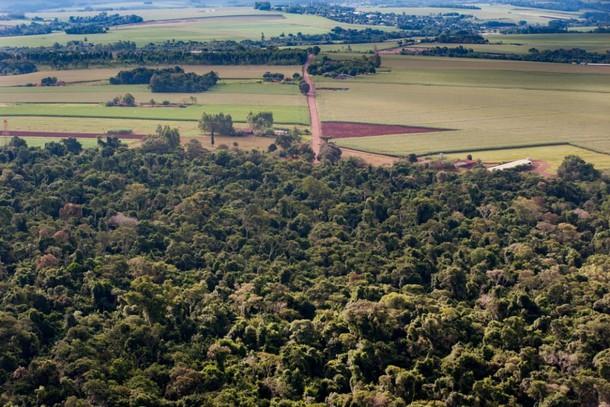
(304, 87)
(128, 100)
(217, 123)
(261, 122)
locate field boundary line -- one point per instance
(593, 150)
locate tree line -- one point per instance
(97, 24)
(350, 66)
(79, 54)
(572, 55)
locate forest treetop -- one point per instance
(178, 276)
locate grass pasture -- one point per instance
(243, 92)
(489, 104)
(289, 115)
(79, 106)
(96, 125)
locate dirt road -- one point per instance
(316, 125)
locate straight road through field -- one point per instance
(316, 126)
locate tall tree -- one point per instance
(217, 123)
(261, 122)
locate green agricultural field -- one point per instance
(546, 103)
(102, 74)
(95, 125)
(78, 107)
(487, 12)
(553, 155)
(247, 92)
(354, 48)
(522, 43)
(282, 114)
(592, 42)
(237, 27)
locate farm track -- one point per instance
(316, 125)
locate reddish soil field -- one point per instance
(49, 134)
(542, 168)
(353, 129)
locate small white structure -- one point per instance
(525, 163)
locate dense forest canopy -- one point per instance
(130, 277)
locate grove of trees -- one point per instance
(184, 277)
(216, 124)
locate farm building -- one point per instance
(525, 163)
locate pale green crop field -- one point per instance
(226, 93)
(521, 43)
(487, 12)
(78, 106)
(553, 155)
(354, 48)
(236, 27)
(282, 114)
(489, 104)
(71, 76)
(96, 125)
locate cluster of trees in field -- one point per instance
(184, 277)
(460, 37)
(337, 67)
(33, 28)
(50, 81)
(166, 79)
(553, 27)
(338, 35)
(140, 75)
(105, 20)
(97, 24)
(273, 77)
(127, 100)
(189, 82)
(83, 54)
(10, 66)
(572, 55)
